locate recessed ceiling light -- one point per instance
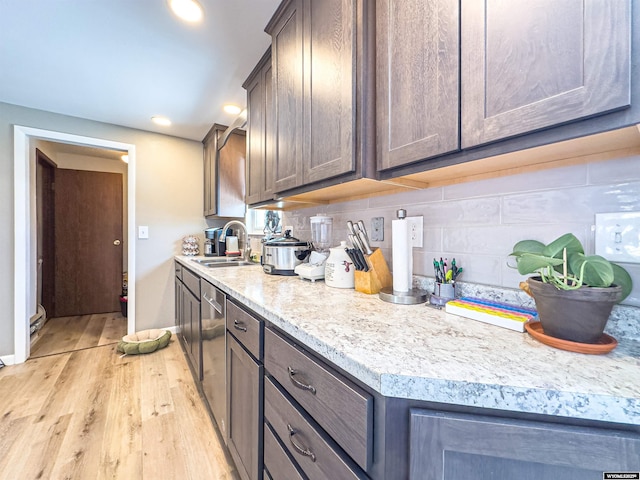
(188, 10)
(159, 120)
(232, 109)
(125, 158)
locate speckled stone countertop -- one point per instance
(417, 352)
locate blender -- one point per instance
(321, 229)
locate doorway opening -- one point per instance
(25, 228)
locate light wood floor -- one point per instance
(94, 414)
(68, 334)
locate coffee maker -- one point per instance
(213, 247)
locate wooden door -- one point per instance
(330, 40)
(531, 65)
(244, 399)
(417, 96)
(88, 242)
(288, 75)
(45, 179)
(450, 446)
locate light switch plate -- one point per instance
(143, 231)
(377, 229)
(618, 236)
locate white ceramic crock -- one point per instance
(339, 269)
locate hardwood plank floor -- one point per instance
(95, 414)
(68, 334)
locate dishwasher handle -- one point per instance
(211, 301)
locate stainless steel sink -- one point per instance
(218, 262)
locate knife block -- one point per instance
(378, 276)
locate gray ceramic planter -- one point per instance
(574, 315)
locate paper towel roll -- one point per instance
(402, 255)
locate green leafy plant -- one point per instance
(564, 264)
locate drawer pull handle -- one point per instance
(301, 450)
(297, 383)
(238, 326)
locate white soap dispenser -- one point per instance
(339, 269)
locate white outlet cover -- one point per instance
(618, 236)
(143, 231)
(418, 227)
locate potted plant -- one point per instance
(574, 293)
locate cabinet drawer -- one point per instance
(246, 328)
(276, 458)
(310, 448)
(341, 408)
(178, 270)
(192, 281)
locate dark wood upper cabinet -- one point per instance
(288, 78)
(317, 58)
(417, 82)
(259, 167)
(522, 68)
(531, 65)
(224, 174)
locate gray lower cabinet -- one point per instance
(453, 446)
(245, 380)
(337, 441)
(188, 322)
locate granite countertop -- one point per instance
(418, 352)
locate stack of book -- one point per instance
(495, 313)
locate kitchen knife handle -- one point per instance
(297, 383)
(364, 242)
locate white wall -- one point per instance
(169, 182)
(479, 222)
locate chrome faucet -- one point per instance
(246, 245)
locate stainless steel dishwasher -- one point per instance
(214, 348)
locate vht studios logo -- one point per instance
(625, 475)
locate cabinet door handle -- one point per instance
(297, 383)
(238, 326)
(301, 450)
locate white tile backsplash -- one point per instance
(479, 222)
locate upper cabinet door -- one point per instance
(330, 43)
(530, 65)
(417, 80)
(288, 75)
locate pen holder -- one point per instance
(442, 293)
(378, 276)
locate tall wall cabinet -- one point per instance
(317, 57)
(260, 112)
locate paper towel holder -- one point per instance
(412, 297)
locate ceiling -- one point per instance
(124, 61)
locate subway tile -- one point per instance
(548, 179)
(571, 204)
(615, 171)
(404, 199)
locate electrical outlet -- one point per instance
(416, 230)
(377, 229)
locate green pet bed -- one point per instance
(145, 341)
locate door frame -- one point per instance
(25, 262)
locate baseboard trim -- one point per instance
(8, 359)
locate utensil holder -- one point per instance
(378, 276)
